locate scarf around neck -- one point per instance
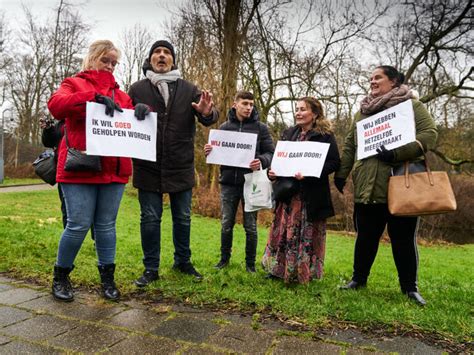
(371, 105)
(161, 81)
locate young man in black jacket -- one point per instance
(242, 117)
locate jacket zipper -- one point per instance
(235, 169)
(117, 168)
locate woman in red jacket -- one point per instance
(92, 197)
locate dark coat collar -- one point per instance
(232, 116)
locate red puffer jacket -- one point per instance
(69, 103)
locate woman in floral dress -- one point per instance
(296, 244)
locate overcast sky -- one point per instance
(107, 17)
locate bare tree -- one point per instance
(323, 49)
(5, 61)
(46, 55)
(28, 79)
(134, 43)
(68, 38)
(432, 43)
(310, 54)
(210, 37)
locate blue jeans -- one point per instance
(151, 207)
(88, 204)
(231, 195)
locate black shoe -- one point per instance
(271, 277)
(415, 296)
(62, 289)
(188, 269)
(147, 278)
(222, 264)
(109, 289)
(250, 268)
(353, 285)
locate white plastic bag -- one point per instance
(257, 191)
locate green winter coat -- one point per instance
(370, 175)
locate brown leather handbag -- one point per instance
(420, 193)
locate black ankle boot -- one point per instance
(353, 285)
(250, 267)
(62, 289)
(109, 290)
(224, 262)
(415, 296)
(147, 278)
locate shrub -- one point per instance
(206, 202)
(22, 171)
(456, 226)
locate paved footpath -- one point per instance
(25, 188)
(31, 321)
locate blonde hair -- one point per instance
(96, 50)
(320, 124)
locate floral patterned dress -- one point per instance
(296, 247)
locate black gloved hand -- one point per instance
(385, 155)
(340, 183)
(141, 110)
(110, 105)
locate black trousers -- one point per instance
(370, 222)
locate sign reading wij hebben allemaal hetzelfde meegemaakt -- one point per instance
(120, 136)
(392, 128)
(231, 148)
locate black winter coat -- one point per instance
(173, 170)
(231, 175)
(315, 191)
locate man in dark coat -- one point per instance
(177, 103)
(242, 117)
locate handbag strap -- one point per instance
(65, 136)
(428, 170)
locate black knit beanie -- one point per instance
(165, 44)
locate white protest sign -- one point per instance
(231, 148)
(306, 158)
(392, 128)
(120, 136)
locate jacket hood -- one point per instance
(101, 78)
(232, 116)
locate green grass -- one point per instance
(12, 182)
(30, 228)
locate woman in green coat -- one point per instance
(370, 177)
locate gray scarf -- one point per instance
(371, 105)
(161, 80)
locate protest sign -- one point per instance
(392, 128)
(306, 158)
(231, 148)
(120, 136)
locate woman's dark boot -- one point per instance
(62, 289)
(109, 290)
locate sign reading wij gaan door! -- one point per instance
(231, 148)
(306, 158)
